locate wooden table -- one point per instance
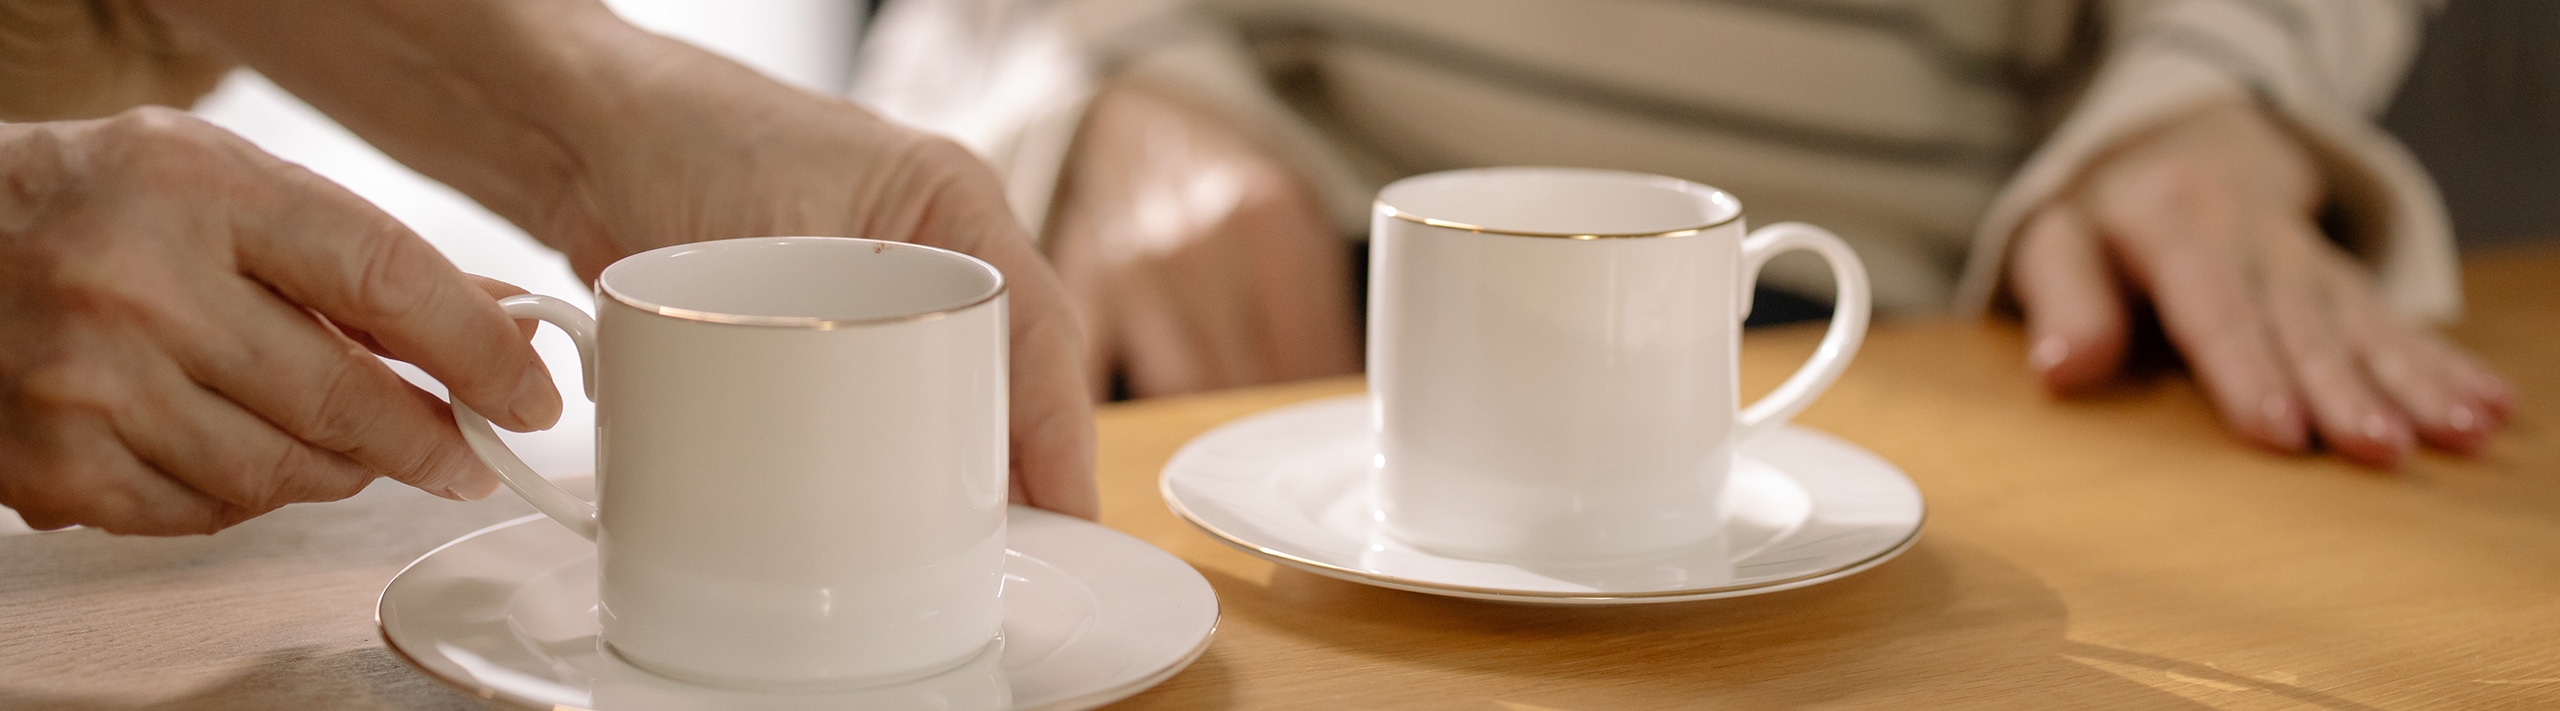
(2119, 552)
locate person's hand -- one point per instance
(2210, 219)
(188, 329)
(603, 140)
(711, 150)
(1199, 260)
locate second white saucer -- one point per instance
(1292, 486)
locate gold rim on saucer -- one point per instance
(1090, 699)
(1361, 576)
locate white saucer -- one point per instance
(1092, 616)
(1292, 486)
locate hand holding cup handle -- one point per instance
(545, 496)
(1840, 342)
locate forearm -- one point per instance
(556, 114)
(493, 97)
(74, 59)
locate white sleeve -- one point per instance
(1011, 80)
(2328, 66)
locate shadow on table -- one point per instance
(369, 678)
(1947, 625)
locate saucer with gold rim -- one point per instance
(1091, 616)
(1292, 485)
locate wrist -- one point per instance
(487, 97)
(652, 122)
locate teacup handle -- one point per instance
(1839, 344)
(545, 496)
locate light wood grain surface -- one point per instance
(2120, 552)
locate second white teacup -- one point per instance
(1552, 358)
(800, 458)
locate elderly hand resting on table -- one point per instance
(185, 274)
(2210, 219)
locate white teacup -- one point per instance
(801, 458)
(1552, 358)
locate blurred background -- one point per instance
(2480, 107)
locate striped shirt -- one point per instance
(1920, 130)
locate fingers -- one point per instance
(217, 448)
(494, 288)
(119, 494)
(325, 390)
(2207, 306)
(1053, 437)
(2075, 311)
(1051, 406)
(2352, 416)
(2454, 402)
(2212, 215)
(330, 251)
(78, 472)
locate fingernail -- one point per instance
(2382, 430)
(2048, 352)
(536, 403)
(2462, 419)
(473, 488)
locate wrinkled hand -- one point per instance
(720, 152)
(161, 367)
(1198, 259)
(2210, 218)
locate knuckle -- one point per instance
(346, 418)
(166, 149)
(335, 418)
(153, 126)
(63, 386)
(118, 505)
(383, 285)
(950, 171)
(277, 482)
(34, 168)
(102, 292)
(937, 150)
(301, 474)
(337, 486)
(437, 467)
